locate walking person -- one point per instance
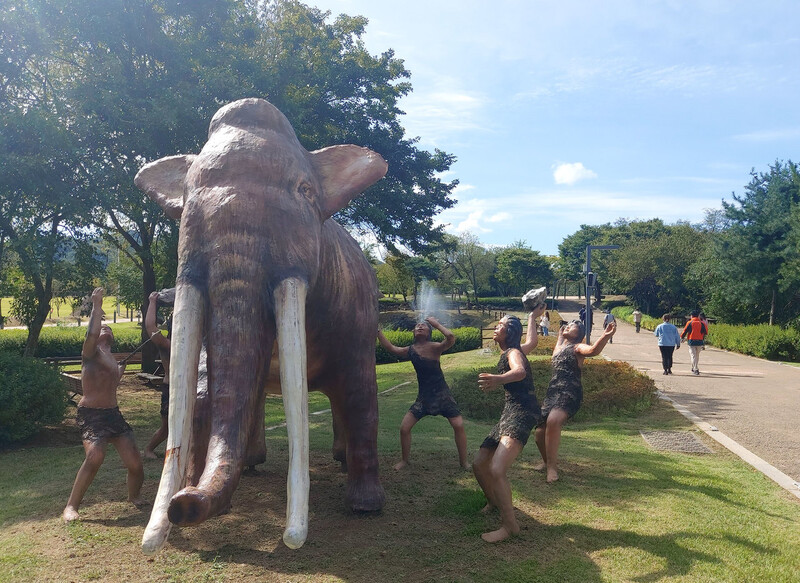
(704, 320)
(98, 417)
(609, 318)
(669, 340)
(506, 440)
(637, 319)
(544, 323)
(696, 332)
(434, 396)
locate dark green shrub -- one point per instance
(466, 339)
(66, 341)
(32, 395)
(760, 340)
(608, 388)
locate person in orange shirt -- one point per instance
(695, 330)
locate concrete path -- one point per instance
(754, 402)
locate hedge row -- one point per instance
(66, 341)
(466, 339)
(626, 313)
(609, 387)
(56, 341)
(761, 340)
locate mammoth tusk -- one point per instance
(290, 316)
(187, 339)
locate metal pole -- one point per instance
(588, 320)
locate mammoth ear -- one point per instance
(162, 181)
(345, 172)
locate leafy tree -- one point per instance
(421, 268)
(747, 271)
(468, 261)
(519, 269)
(93, 89)
(655, 272)
(394, 276)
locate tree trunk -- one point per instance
(35, 327)
(772, 307)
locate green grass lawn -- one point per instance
(63, 310)
(621, 512)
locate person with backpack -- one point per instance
(695, 331)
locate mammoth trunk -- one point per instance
(239, 339)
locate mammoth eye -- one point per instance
(306, 190)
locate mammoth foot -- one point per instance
(365, 495)
(189, 507)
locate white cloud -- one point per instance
(572, 173)
(471, 224)
(770, 135)
(442, 111)
(531, 210)
(499, 217)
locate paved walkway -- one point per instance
(754, 402)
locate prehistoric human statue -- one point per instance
(265, 278)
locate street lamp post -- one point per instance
(590, 283)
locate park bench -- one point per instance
(74, 385)
(155, 379)
(76, 360)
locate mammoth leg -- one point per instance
(364, 490)
(256, 441)
(339, 434)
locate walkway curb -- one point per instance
(773, 473)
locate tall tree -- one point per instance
(468, 261)
(521, 268)
(745, 269)
(655, 272)
(123, 82)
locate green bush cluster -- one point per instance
(609, 387)
(626, 313)
(66, 341)
(466, 339)
(761, 340)
(32, 396)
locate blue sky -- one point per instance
(564, 113)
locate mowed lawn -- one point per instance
(621, 512)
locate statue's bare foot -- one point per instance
(70, 514)
(498, 535)
(149, 455)
(552, 476)
(488, 508)
(540, 467)
(400, 465)
(140, 503)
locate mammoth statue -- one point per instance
(284, 301)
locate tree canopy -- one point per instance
(92, 90)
